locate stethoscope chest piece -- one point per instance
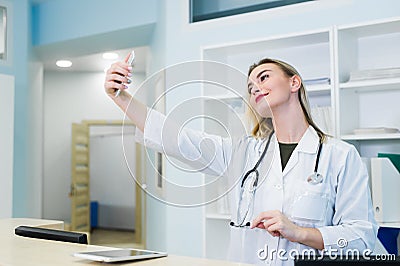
(315, 178)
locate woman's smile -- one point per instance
(259, 97)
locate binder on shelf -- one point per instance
(314, 81)
(394, 158)
(375, 130)
(383, 73)
(385, 177)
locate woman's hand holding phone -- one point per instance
(118, 76)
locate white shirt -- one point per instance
(340, 206)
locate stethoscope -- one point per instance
(315, 178)
(252, 174)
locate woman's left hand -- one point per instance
(277, 224)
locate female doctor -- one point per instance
(298, 189)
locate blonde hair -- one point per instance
(264, 126)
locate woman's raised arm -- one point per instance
(117, 78)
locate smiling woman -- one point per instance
(3, 32)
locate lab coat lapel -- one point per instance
(307, 144)
(277, 168)
(269, 165)
(294, 158)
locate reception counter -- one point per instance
(17, 250)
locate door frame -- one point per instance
(140, 199)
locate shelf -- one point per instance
(389, 225)
(217, 216)
(286, 41)
(372, 84)
(319, 88)
(371, 136)
(386, 26)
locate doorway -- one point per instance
(110, 187)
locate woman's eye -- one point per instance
(249, 89)
(264, 77)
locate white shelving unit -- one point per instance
(373, 84)
(350, 137)
(368, 103)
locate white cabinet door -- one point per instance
(6, 144)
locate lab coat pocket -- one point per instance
(244, 243)
(310, 207)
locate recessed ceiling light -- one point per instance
(64, 63)
(110, 56)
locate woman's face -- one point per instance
(269, 88)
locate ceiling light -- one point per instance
(110, 56)
(64, 63)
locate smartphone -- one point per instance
(130, 62)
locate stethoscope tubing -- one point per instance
(254, 169)
(315, 178)
(318, 156)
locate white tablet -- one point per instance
(119, 255)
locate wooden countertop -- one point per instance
(22, 251)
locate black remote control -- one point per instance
(51, 234)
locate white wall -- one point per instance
(111, 184)
(69, 97)
(2, 33)
(35, 121)
(6, 144)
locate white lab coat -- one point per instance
(340, 206)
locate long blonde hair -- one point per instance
(264, 126)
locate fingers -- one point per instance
(117, 76)
(264, 216)
(127, 57)
(270, 221)
(121, 69)
(111, 85)
(277, 224)
(274, 227)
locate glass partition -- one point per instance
(3, 32)
(201, 10)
